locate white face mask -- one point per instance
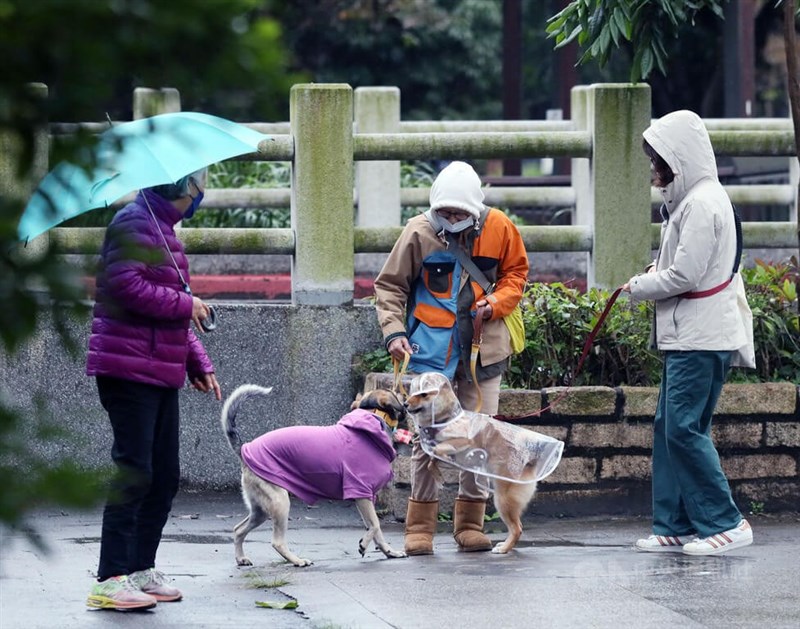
(460, 226)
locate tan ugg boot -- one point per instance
(468, 525)
(420, 526)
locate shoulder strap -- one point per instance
(469, 265)
(739, 240)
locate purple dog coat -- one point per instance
(351, 459)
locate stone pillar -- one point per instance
(321, 120)
(151, 102)
(617, 204)
(377, 110)
(581, 166)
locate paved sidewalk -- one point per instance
(565, 573)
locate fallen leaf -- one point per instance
(271, 605)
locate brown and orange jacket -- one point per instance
(417, 292)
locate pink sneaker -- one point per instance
(738, 537)
(153, 583)
(118, 593)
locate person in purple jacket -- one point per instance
(141, 349)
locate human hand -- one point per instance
(207, 382)
(398, 348)
(487, 308)
(199, 312)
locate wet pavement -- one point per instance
(564, 573)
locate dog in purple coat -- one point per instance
(350, 460)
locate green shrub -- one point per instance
(558, 320)
(772, 295)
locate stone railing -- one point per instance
(605, 468)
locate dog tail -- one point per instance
(231, 408)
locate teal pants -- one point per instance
(690, 491)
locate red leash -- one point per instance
(587, 346)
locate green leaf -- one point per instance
(647, 63)
(555, 23)
(622, 26)
(636, 66)
(575, 33)
(272, 605)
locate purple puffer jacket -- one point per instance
(140, 328)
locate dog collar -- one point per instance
(387, 419)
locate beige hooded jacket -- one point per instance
(697, 251)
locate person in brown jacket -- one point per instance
(426, 302)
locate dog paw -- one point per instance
(501, 549)
(303, 563)
(394, 554)
(243, 561)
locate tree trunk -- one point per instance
(793, 83)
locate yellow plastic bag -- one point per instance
(516, 328)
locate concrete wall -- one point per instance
(304, 352)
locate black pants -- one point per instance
(145, 421)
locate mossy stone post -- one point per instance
(323, 265)
(18, 191)
(613, 194)
(581, 167)
(151, 102)
(377, 110)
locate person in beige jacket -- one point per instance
(426, 303)
(703, 325)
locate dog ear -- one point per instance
(384, 400)
(357, 402)
(369, 399)
(394, 404)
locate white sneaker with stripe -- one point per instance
(661, 544)
(738, 537)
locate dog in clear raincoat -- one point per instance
(509, 459)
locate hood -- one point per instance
(682, 140)
(371, 426)
(458, 186)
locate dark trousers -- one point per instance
(145, 422)
(690, 491)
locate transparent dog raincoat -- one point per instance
(490, 448)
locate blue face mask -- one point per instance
(194, 205)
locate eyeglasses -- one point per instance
(456, 214)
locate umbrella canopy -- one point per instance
(133, 155)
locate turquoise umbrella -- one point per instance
(134, 155)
